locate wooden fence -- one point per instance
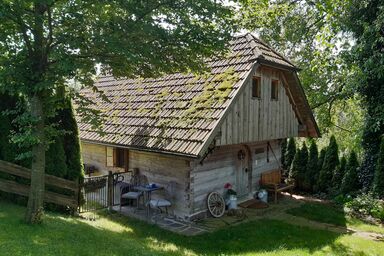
(51, 197)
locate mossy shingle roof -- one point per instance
(175, 113)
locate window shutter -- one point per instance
(110, 156)
(114, 157)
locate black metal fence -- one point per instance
(119, 179)
(101, 192)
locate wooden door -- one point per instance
(242, 172)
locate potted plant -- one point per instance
(230, 196)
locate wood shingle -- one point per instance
(175, 113)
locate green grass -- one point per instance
(320, 212)
(327, 213)
(117, 235)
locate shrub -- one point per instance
(312, 171)
(338, 176)
(290, 153)
(378, 181)
(283, 153)
(365, 205)
(319, 165)
(350, 181)
(299, 166)
(72, 143)
(331, 161)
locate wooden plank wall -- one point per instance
(253, 119)
(162, 169)
(221, 165)
(260, 163)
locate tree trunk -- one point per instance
(34, 212)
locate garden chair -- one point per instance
(166, 201)
(133, 195)
(272, 181)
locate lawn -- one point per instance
(328, 213)
(112, 234)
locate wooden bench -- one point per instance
(272, 182)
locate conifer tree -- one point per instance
(331, 161)
(319, 166)
(339, 174)
(71, 143)
(283, 153)
(312, 167)
(350, 181)
(290, 153)
(299, 166)
(378, 181)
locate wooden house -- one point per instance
(202, 131)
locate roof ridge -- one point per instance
(255, 49)
(271, 48)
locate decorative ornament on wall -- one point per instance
(241, 155)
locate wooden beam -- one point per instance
(23, 172)
(23, 190)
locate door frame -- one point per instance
(241, 165)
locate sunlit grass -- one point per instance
(332, 215)
(113, 234)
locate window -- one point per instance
(116, 157)
(256, 87)
(274, 89)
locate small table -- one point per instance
(147, 194)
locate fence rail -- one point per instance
(22, 189)
(103, 191)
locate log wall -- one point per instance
(221, 166)
(163, 169)
(96, 155)
(160, 169)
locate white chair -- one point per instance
(166, 202)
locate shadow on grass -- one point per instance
(118, 235)
(321, 212)
(252, 237)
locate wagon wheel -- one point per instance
(216, 204)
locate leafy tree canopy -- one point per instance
(365, 19)
(46, 44)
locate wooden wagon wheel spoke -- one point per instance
(216, 205)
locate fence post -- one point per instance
(110, 190)
(77, 196)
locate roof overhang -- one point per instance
(169, 153)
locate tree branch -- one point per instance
(341, 128)
(16, 17)
(50, 30)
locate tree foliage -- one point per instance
(284, 146)
(350, 181)
(330, 163)
(312, 171)
(298, 168)
(338, 175)
(46, 44)
(378, 183)
(365, 19)
(290, 152)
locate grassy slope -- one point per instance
(332, 215)
(116, 235)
